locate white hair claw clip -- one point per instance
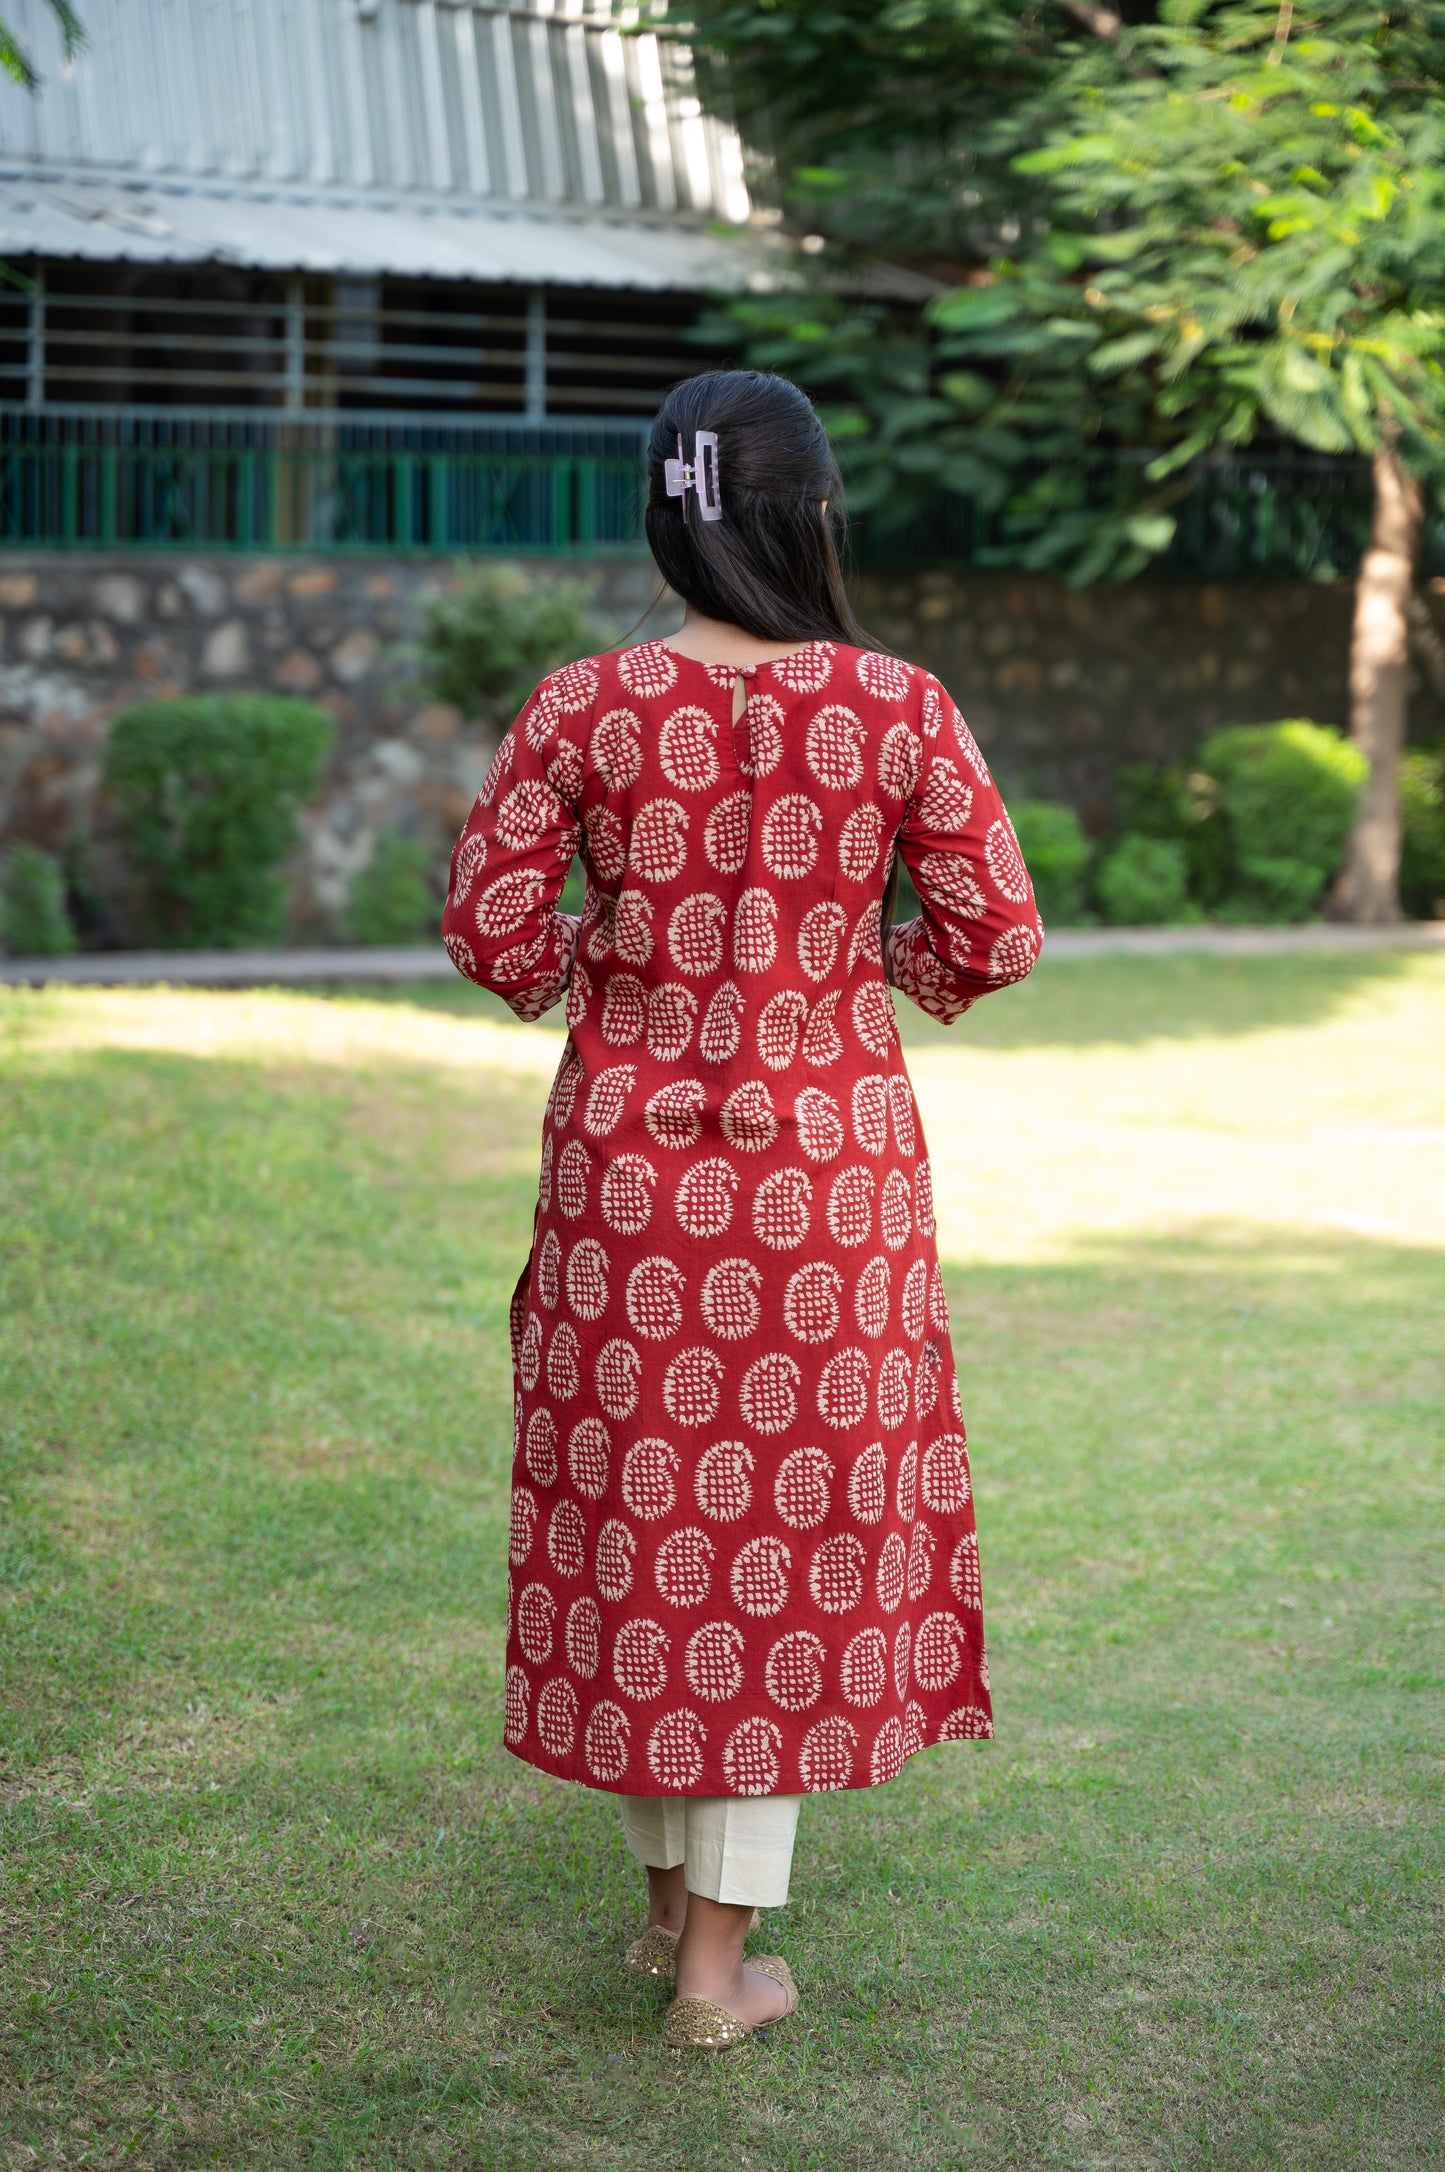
(701, 477)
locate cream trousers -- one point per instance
(736, 1848)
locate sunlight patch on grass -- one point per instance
(1336, 1124)
(272, 1027)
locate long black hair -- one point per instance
(771, 563)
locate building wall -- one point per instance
(1062, 687)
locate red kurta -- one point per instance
(743, 1548)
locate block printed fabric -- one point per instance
(743, 1556)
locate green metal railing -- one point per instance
(249, 480)
(119, 480)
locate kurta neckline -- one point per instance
(745, 671)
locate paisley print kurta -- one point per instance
(743, 1557)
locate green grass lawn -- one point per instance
(273, 1894)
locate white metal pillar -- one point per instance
(536, 378)
(35, 347)
(294, 367)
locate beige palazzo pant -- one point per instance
(736, 1848)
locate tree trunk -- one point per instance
(1368, 888)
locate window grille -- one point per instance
(74, 334)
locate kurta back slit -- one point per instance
(743, 1555)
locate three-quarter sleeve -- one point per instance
(501, 925)
(979, 928)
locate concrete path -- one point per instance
(428, 962)
(232, 968)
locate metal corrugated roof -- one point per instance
(282, 230)
(499, 138)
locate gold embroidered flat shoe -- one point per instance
(698, 2025)
(655, 1953)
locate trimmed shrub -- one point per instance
(1422, 842)
(1057, 853)
(90, 909)
(1151, 802)
(574, 889)
(1184, 805)
(1144, 882)
(1289, 794)
(397, 898)
(34, 919)
(485, 646)
(208, 789)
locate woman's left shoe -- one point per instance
(655, 1953)
(698, 2025)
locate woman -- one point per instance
(743, 1554)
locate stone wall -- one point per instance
(1061, 686)
(82, 637)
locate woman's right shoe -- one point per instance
(693, 2024)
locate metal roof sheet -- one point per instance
(285, 230)
(536, 139)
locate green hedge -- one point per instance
(485, 645)
(398, 897)
(1422, 818)
(1288, 793)
(208, 790)
(1144, 882)
(1057, 854)
(1256, 831)
(35, 920)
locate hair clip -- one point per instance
(701, 477)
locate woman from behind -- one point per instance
(744, 1563)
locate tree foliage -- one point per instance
(16, 61)
(885, 121)
(1222, 222)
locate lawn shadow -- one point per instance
(1072, 1002)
